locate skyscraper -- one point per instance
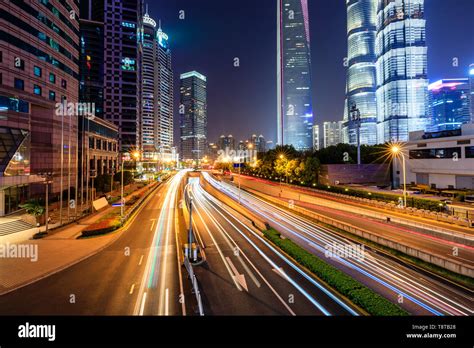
(332, 133)
(193, 116)
(316, 138)
(122, 58)
(449, 104)
(157, 92)
(471, 87)
(295, 111)
(361, 81)
(402, 84)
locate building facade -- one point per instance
(294, 108)
(442, 160)
(193, 116)
(332, 133)
(39, 75)
(157, 92)
(402, 83)
(99, 155)
(122, 59)
(361, 80)
(226, 142)
(449, 104)
(316, 138)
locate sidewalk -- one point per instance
(57, 251)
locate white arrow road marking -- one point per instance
(240, 278)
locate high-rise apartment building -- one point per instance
(39, 75)
(332, 133)
(193, 116)
(449, 104)
(402, 83)
(156, 126)
(361, 81)
(294, 110)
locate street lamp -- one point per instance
(355, 118)
(235, 160)
(397, 151)
(48, 179)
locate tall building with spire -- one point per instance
(361, 81)
(156, 123)
(294, 109)
(402, 82)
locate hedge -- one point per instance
(102, 227)
(356, 292)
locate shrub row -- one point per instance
(356, 292)
(419, 203)
(102, 227)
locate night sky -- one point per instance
(242, 101)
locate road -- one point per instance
(416, 292)
(244, 274)
(112, 282)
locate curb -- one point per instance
(117, 234)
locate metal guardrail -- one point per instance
(194, 282)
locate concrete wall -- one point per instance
(374, 174)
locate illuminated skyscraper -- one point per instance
(122, 58)
(295, 111)
(471, 87)
(449, 104)
(402, 84)
(193, 116)
(361, 82)
(157, 92)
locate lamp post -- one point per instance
(355, 118)
(235, 160)
(122, 202)
(47, 176)
(397, 151)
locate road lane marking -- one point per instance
(132, 288)
(142, 308)
(167, 301)
(238, 276)
(141, 260)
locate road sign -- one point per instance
(238, 165)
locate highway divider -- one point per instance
(359, 294)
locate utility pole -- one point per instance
(121, 194)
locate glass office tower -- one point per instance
(295, 111)
(193, 116)
(449, 104)
(157, 92)
(361, 82)
(402, 84)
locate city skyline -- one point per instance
(446, 57)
